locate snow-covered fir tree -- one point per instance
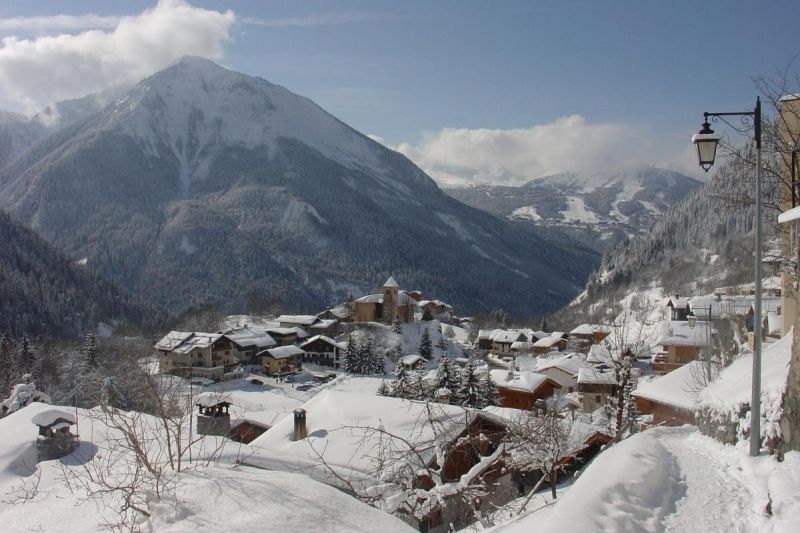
(397, 325)
(402, 386)
(489, 394)
(384, 390)
(469, 389)
(350, 359)
(447, 376)
(425, 348)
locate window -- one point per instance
(597, 398)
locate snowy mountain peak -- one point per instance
(195, 108)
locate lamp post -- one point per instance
(706, 141)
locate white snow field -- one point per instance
(674, 480)
(215, 497)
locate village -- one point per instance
(395, 376)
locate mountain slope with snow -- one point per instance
(600, 208)
(205, 186)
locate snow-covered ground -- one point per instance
(674, 480)
(206, 497)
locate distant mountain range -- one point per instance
(704, 241)
(42, 292)
(598, 210)
(203, 186)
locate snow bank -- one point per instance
(630, 487)
(724, 406)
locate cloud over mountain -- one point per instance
(35, 72)
(570, 144)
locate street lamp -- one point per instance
(706, 141)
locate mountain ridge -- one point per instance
(202, 185)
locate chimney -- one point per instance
(300, 431)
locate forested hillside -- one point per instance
(705, 241)
(43, 293)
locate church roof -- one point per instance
(391, 283)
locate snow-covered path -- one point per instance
(714, 499)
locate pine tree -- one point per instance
(378, 362)
(401, 387)
(442, 345)
(397, 326)
(469, 389)
(6, 364)
(425, 344)
(420, 389)
(90, 349)
(488, 392)
(446, 377)
(27, 361)
(350, 359)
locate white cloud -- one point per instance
(59, 22)
(39, 71)
(456, 156)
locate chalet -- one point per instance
(287, 336)
(550, 344)
(678, 307)
(322, 350)
(594, 387)
(196, 354)
(413, 362)
(681, 344)
(563, 370)
(522, 348)
(249, 341)
(521, 390)
(591, 333)
(436, 309)
(281, 359)
(340, 313)
(324, 327)
(502, 340)
(671, 399)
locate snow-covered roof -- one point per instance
(678, 388)
(391, 283)
(300, 332)
(172, 340)
(548, 342)
(251, 336)
(337, 423)
(300, 320)
(283, 352)
(732, 387)
(680, 333)
(324, 339)
(526, 381)
(53, 415)
(593, 376)
(371, 299)
(198, 340)
(216, 497)
(409, 360)
(324, 323)
(521, 345)
(506, 336)
(569, 363)
(790, 215)
(340, 311)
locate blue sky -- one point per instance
(405, 71)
